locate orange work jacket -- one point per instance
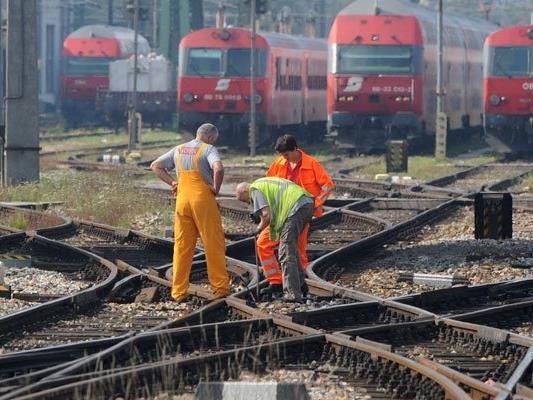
(312, 177)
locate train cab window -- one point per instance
(87, 65)
(511, 61)
(375, 59)
(238, 62)
(204, 62)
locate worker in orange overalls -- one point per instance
(200, 174)
(297, 166)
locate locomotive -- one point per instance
(382, 73)
(508, 89)
(214, 84)
(87, 53)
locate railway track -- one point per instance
(333, 229)
(477, 352)
(444, 248)
(140, 250)
(477, 178)
(267, 350)
(394, 210)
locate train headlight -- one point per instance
(258, 99)
(495, 100)
(188, 98)
(224, 35)
(530, 33)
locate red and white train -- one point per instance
(508, 89)
(214, 83)
(87, 53)
(383, 70)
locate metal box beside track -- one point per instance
(493, 216)
(397, 156)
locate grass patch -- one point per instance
(110, 198)
(424, 168)
(527, 184)
(111, 139)
(18, 221)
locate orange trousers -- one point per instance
(266, 250)
(197, 213)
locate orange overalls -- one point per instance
(313, 178)
(197, 212)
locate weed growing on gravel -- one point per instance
(110, 198)
(18, 221)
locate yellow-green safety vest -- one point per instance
(281, 196)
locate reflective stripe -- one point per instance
(268, 261)
(270, 272)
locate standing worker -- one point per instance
(299, 167)
(286, 209)
(199, 177)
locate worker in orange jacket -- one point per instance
(297, 166)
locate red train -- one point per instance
(382, 73)
(87, 53)
(508, 89)
(214, 84)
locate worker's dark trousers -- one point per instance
(289, 258)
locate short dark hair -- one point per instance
(285, 143)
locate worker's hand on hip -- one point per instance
(174, 186)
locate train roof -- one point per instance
(401, 7)
(124, 36)
(521, 35)
(204, 37)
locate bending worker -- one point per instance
(286, 209)
(199, 177)
(297, 166)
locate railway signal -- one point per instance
(259, 6)
(493, 216)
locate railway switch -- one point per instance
(397, 156)
(493, 216)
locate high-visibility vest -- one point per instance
(281, 196)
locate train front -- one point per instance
(214, 82)
(86, 66)
(508, 89)
(374, 80)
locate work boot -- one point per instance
(291, 299)
(182, 298)
(305, 290)
(220, 295)
(271, 290)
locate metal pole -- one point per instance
(133, 108)
(155, 24)
(252, 81)
(441, 123)
(22, 102)
(110, 12)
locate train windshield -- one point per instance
(361, 59)
(221, 62)
(204, 62)
(238, 62)
(87, 65)
(512, 61)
